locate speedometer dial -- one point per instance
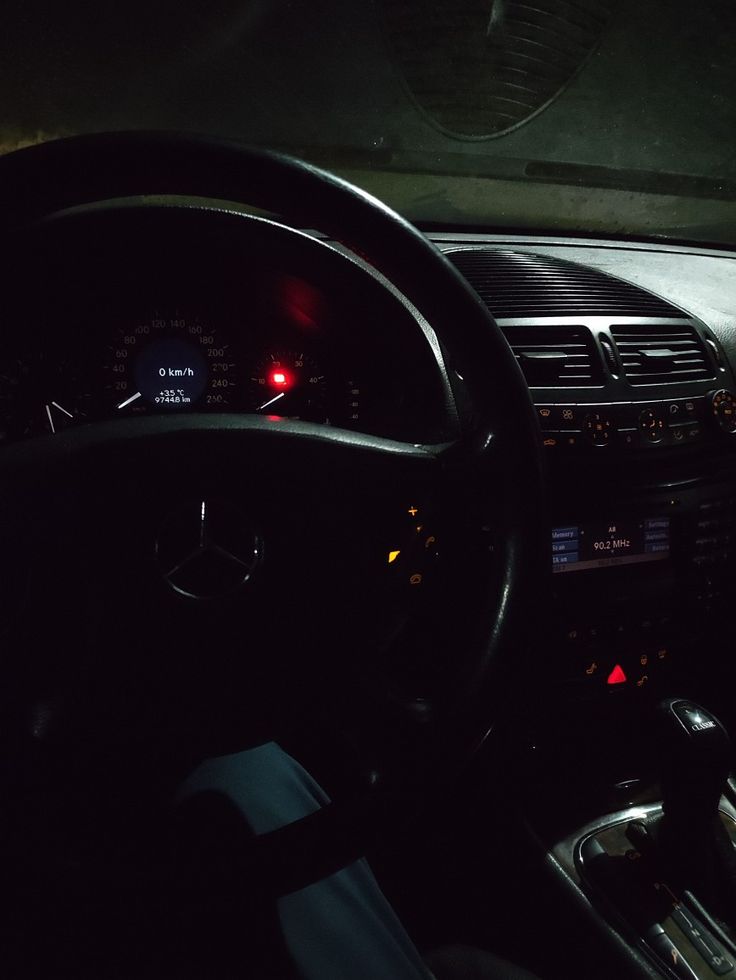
(169, 364)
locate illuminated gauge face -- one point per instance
(290, 384)
(171, 364)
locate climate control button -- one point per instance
(598, 428)
(651, 425)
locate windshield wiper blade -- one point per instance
(483, 165)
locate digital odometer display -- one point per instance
(598, 545)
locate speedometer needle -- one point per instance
(128, 401)
(272, 400)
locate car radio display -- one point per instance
(599, 545)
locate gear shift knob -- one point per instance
(696, 760)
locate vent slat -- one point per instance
(579, 365)
(516, 284)
(689, 360)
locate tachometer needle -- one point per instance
(272, 400)
(128, 401)
(51, 421)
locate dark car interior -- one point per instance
(440, 499)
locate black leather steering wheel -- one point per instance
(496, 455)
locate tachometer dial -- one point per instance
(171, 364)
(44, 395)
(289, 383)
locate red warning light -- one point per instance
(279, 379)
(617, 675)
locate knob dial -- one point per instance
(651, 425)
(723, 406)
(597, 428)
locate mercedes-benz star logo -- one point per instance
(205, 549)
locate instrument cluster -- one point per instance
(103, 365)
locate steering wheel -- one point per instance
(490, 472)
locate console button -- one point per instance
(703, 561)
(561, 440)
(573, 633)
(682, 410)
(591, 669)
(630, 438)
(709, 525)
(594, 633)
(707, 542)
(570, 416)
(556, 417)
(570, 440)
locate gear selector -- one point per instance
(695, 762)
(670, 870)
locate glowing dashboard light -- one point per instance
(279, 379)
(617, 676)
(392, 556)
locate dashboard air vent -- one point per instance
(661, 354)
(521, 284)
(555, 357)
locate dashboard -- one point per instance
(130, 320)
(627, 350)
(635, 400)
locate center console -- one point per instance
(636, 403)
(642, 542)
(637, 576)
(642, 585)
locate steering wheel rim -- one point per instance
(500, 441)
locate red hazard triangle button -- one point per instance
(617, 675)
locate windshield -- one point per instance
(582, 116)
